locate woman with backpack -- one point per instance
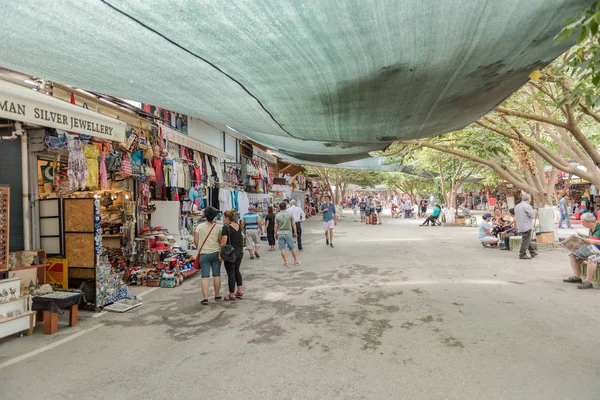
(207, 239)
(232, 252)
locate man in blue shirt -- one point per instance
(329, 220)
(564, 212)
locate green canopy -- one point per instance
(326, 80)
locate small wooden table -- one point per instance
(49, 306)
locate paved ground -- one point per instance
(394, 311)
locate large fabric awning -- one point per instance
(322, 81)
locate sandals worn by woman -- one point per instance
(239, 295)
(585, 285)
(573, 279)
(204, 302)
(230, 298)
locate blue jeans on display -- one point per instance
(564, 217)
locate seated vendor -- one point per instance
(395, 210)
(433, 217)
(510, 229)
(498, 222)
(589, 221)
(485, 235)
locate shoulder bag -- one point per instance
(228, 251)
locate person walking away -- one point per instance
(564, 212)
(299, 217)
(525, 215)
(232, 234)
(270, 221)
(485, 235)
(285, 233)
(329, 220)
(252, 224)
(379, 210)
(207, 240)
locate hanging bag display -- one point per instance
(126, 169)
(113, 162)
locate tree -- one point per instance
(451, 170)
(509, 159)
(583, 60)
(340, 179)
(414, 186)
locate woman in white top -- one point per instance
(207, 239)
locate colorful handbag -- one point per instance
(150, 174)
(126, 169)
(133, 143)
(113, 162)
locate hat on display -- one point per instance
(107, 201)
(161, 246)
(145, 231)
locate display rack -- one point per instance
(15, 311)
(4, 227)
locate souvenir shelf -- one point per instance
(15, 311)
(4, 227)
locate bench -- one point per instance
(595, 279)
(515, 243)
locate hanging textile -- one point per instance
(77, 166)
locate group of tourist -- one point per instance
(224, 244)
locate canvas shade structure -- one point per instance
(324, 81)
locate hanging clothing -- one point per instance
(91, 158)
(102, 173)
(168, 169)
(157, 164)
(77, 168)
(243, 203)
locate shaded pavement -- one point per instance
(396, 311)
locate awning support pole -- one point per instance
(25, 185)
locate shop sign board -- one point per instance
(22, 104)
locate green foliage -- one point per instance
(583, 60)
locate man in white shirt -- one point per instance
(299, 217)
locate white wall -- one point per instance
(212, 135)
(205, 133)
(230, 145)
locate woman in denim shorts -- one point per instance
(207, 239)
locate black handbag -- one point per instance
(228, 252)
